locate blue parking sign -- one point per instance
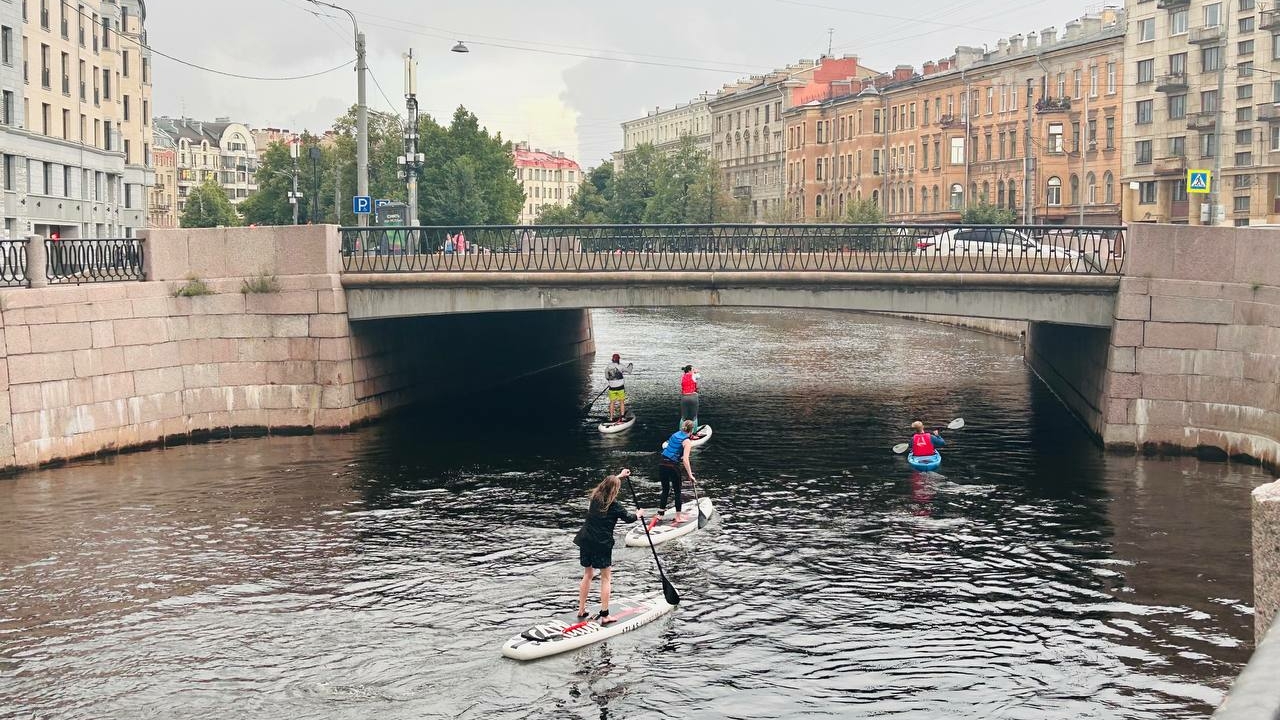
(361, 204)
(380, 202)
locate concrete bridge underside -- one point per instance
(1062, 299)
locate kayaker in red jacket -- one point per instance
(924, 444)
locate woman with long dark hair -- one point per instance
(595, 540)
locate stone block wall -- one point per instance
(101, 367)
(1195, 351)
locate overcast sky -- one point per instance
(526, 74)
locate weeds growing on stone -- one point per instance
(194, 287)
(262, 283)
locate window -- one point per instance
(1244, 114)
(1108, 181)
(1208, 145)
(6, 108)
(1247, 24)
(1093, 81)
(1146, 70)
(1179, 190)
(1275, 138)
(1144, 111)
(1244, 92)
(957, 197)
(1075, 79)
(10, 171)
(1209, 101)
(1055, 138)
(1210, 59)
(1247, 5)
(1240, 203)
(1275, 46)
(124, 62)
(1178, 22)
(1142, 152)
(1213, 14)
(1244, 47)
(988, 145)
(1147, 30)
(1147, 193)
(6, 45)
(1244, 69)
(1244, 159)
(957, 151)
(126, 108)
(1091, 187)
(1075, 137)
(1178, 64)
(1178, 146)
(1053, 196)
(1111, 78)
(1013, 144)
(1062, 85)
(1075, 190)
(1093, 134)
(1111, 133)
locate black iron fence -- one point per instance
(1051, 249)
(73, 261)
(13, 263)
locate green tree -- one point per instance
(495, 195)
(457, 198)
(863, 212)
(269, 204)
(687, 189)
(633, 187)
(590, 205)
(985, 214)
(557, 215)
(208, 206)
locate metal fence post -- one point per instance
(36, 262)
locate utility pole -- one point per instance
(1026, 159)
(362, 111)
(293, 194)
(1215, 196)
(315, 184)
(411, 160)
(337, 188)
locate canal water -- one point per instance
(377, 573)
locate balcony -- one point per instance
(1268, 112)
(1176, 165)
(1053, 105)
(946, 122)
(1172, 4)
(1207, 35)
(741, 192)
(1173, 82)
(1202, 120)
(1270, 20)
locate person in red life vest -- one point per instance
(924, 444)
(689, 397)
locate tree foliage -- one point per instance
(469, 178)
(985, 214)
(863, 212)
(208, 206)
(269, 204)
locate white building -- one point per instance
(75, 108)
(222, 150)
(664, 128)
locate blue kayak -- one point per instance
(927, 462)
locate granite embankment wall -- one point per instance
(1194, 360)
(93, 368)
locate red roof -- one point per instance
(539, 159)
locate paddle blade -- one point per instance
(669, 592)
(702, 519)
(955, 424)
(899, 448)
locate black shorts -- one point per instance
(595, 556)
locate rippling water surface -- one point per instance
(377, 573)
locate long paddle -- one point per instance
(702, 519)
(953, 425)
(586, 408)
(668, 590)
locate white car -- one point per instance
(1005, 249)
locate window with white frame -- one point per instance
(1053, 194)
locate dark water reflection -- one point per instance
(377, 573)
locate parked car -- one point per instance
(996, 248)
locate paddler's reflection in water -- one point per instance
(921, 495)
(594, 669)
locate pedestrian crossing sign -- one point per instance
(1199, 181)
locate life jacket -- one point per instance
(922, 445)
(675, 446)
(688, 384)
(613, 374)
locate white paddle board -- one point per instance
(667, 530)
(566, 633)
(617, 425)
(699, 438)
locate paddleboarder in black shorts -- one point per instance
(675, 458)
(595, 540)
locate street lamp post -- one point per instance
(411, 160)
(293, 194)
(362, 112)
(315, 184)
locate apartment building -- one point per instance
(75, 94)
(1204, 90)
(548, 178)
(748, 126)
(162, 210)
(222, 150)
(664, 128)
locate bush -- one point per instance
(984, 214)
(262, 283)
(194, 287)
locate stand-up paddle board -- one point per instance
(666, 529)
(926, 462)
(698, 438)
(617, 425)
(566, 633)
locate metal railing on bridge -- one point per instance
(1046, 249)
(76, 261)
(13, 263)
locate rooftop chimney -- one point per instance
(1073, 30)
(1048, 36)
(944, 65)
(1092, 25)
(1032, 40)
(1015, 44)
(903, 72)
(967, 56)
(930, 67)
(1002, 47)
